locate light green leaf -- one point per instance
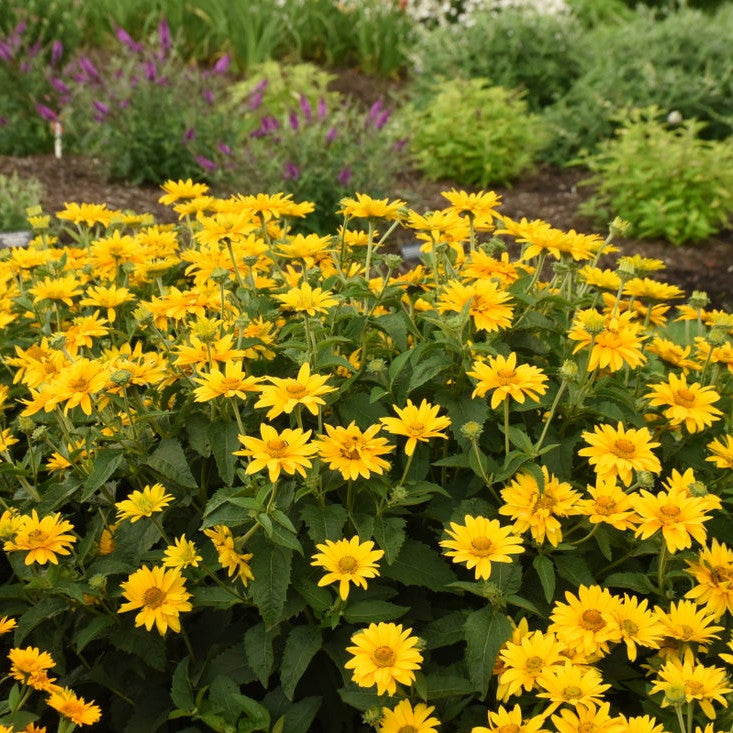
(223, 439)
(169, 460)
(271, 568)
(546, 571)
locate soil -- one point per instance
(548, 194)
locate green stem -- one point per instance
(555, 403)
(660, 570)
(680, 718)
(507, 447)
(237, 274)
(407, 468)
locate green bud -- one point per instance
(57, 341)
(471, 430)
(376, 366)
(618, 227)
(675, 695)
(372, 716)
(393, 261)
(219, 275)
(397, 495)
(698, 300)
(698, 488)
(98, 581)
(120, 377)
(645, 479)
(492, 593)
(26, 424)
(569, 371)
(38, 433)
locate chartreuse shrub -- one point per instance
(17, 195)
(663, 179)
(473, 132)
(254, 480)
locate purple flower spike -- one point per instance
(128, 41)
(164, 37)
(208, 96)
(322, 108)
(345, 176)
(205, 163)
(381, 120)
(224, 148)
(261, 86)
(189, 135)
(89, 69)
(57, 51)
(101, 108)
(46, 112)
(255, 100)
(59, 86)
(221, 66)
(305, 108)
(294, 122)
(150, 70)
(375, 109)
(34, 49)
(290, 171)
(330, 135)
(6, 52)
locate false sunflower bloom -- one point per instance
(352, 452)
(161, 596)
(366, 207)
(232, 382)
(689, 405)
(713, 573)
(680, 517)
(145, 503)
(537, 510)
(403, 718)
(571, 684)
(525, 660)
(234, 562)
(181, 554)
(480, 541)
(89, 214)
(510, 721)
(688, 623)
(721, 450)
(614, 341)
(73, 707)
(642, 724)
(384, 654)
(288, 452)
(672, 353)
(506, 379)
(489, 306)
(74, 385)
(609, 504)
(180, 189)
(42, 539)
(638, 624)
(416, 424)
(109, 297)
(31, 665)
(588, 718)
(617, 452)
(306, 299)
(347, 561)
(7, 624)
(283, 395)
(6, 440)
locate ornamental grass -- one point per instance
(259, 480)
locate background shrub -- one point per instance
(16, 195)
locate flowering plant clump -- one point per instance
(255, 479)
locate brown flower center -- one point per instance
(481, 546)
(79, 385)
(295, 389)
(605, 505)
(277, 447)
(347, 564)
(628, 627)
(509, 728)
(534, 665)
(416, 429)
(684, 397)
(546, 501)
(669, 512)
(719, 574)
(623, 448)
(153, 597)
(694, 688)
(686, 632)
(36, 537)
(407, 729)
(383, 656)
(505, 376)
(586, 727)
(592, 620)
(573, 692)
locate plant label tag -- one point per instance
(15, 239)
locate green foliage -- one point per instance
(474, 133)
(665, 181)
(596, 12)
(16, 196)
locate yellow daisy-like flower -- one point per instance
(161, 596)
(406, 719)
(541, 238)
(30, 666)
(288, 451)
(109, 297)
(479, 542)
(614, 341)
(686, 680)
(383, 655)
(642, 724)
(73, 707)
(679, 516)
(365, 207)
(617, 452)
(89, 214)
(232, 382)
(306, 299)
(588, 718)
(181, 554)
(713, 573)
(722, 452)
(42, 539)
(489, 306)
(6, 440)
(283, 395)
(145, 503)
(688, 405)
(416, 424)
(506, 379)
(347, 561)
(538, 510)
(586, 622)
(180, 189)
(510, 721)
(234, 562)
(599, 278)
(638, 624)
(352, 452)
(687, 623)
(672, 353)
(74, 384)
(609, 505)
(481, 266)
(525, 660)
(7, 624)
(574, 685)
(647, 289)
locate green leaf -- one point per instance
(169, 461)
(507, 575)
(271, 569)
(105, 464)
(424, 369)
(418, 564)
(258, 647)
(444, 631)
(634, 581)
(223, 438)
(285, 538)
(42, 611)
(448, 685)
(302, 644)
(225, 697)
(546, 571)
(300, 715)
(324, 523)
(365, 612)
(389, 532)
(181, 690)
(485, 631)
(574, 569)
(197, 427)
(91, 631)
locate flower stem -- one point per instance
(507, 447)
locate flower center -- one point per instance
(605, 505)
(686, 632)
(509, 728)
(347, 564)
(719, 574)
(153, 597)
(383, 656)
(629, 627)
(669, 512)
(79, 385)
(546, 501)
(230, 383)
(276, 447)
(481, 546)
(684, 397)
(295, 390)
(573, 692)
(694, 688)
(623, 448)
(407, 729)
(586, 727)
(534, 665)
(37, 537)
(592, 620)
(505, 376)
(416, 429)
(351, 454)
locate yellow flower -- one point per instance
(347, 561)
(406, 719)
(89, 214)
(642, 724)
(480, 207)
(525, 660)
(352, 452)
(6, 440)
(56, 288)
(31, 665)
(713, 572)
(481, 266)
(416, 424)
(160, 595)
(642, 265)
(288, 451)
(43, 539)
(541, 238)
(74, 708)
(232, 382)
(646, 288)
(74, 384)
(637, 624)
(176, 190)
(181, 554)
(538, 510)
(489, 306)
(617, 452)
(232, 561)
(10, 521)
(609, 505)
(679, 516)
(305, 299)
(722, 452)
(588, 718)
(672, 353)
(614, 340)
(586, 622)
(108, 297)
(578, 686)
(687, 623)
(285, 394)
(690, 405)
(365, 207)
(145, 503)
(7, 624)
(686, 680)
(478, 542)
(510, 721)
(503, 376)
(599, 278)
(383, 655)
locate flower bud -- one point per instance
(397, 495)
(471, 430)
(376, 366)
(698, 300)
(219, 275)
(121, 377)
(569, 371)
(645, 479)
(393, 261)
(618, 227)
(372, 716)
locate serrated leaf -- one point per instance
(299, 716)
(271, 569)
(324, 523)
(45, 609)
(91, 631)
(546, 572)
(301, 646)
(223, 439)
(418, 564)
(574, 569)
(258, 647)
(634, 581)
(485, 632)
(169, 460)
(181, 690)
(105, 464)
(373, 611)
(389, 532)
